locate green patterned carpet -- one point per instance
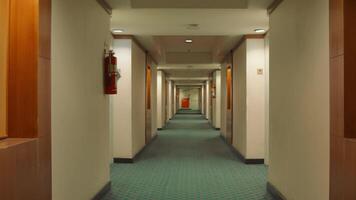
(188, 160)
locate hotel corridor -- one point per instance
(188, 160)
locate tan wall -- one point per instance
(217, 100)
(249, 99)
(80, 110)
(128, 105)
(170, 100)
(267, 71)
(256, 99)
(4, 19)
(122, 102)
(138, 98)
(299, 99)
(161, 100)
(239, 94)
(207, 100)
(154, 99)
(174, 99)
(223, 100)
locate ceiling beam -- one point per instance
(241, 41)
(273, 6)
(193, 67)
(134, 39)
(105, 5)
(188, 78)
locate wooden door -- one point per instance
(342, 100)
(229, 104)
(148, 127)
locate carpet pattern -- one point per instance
(188, 160)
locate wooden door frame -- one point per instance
(342, 98)
(148, 108)
(229, 108)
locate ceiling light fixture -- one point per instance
(116, 31)
(259, 30)
(189, 41)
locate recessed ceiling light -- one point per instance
(259, 30)
(115, 31)
(188, 41)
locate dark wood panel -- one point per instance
(29, 96)
(350, 169)
(22, 84)
(336, 167)
(45, 28)
(350, 68)
(336, 27)
(337, 96)
(7, 182)
(342, 99)
(44, 163)
(18, 169)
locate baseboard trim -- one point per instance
(123, 160)
(218, 129)
(254, 161)
(241, 157)
(103, 191)
(275, 192)
(134, 159)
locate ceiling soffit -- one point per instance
(222, 4)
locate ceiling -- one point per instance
(215, 27)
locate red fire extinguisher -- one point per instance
(111, 74)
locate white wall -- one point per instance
(267, 71)
(239, 94)
(223, 104)
(299, 99)
(203, 100)
(256, 99)
(80, 110)
(207, 100)
(161, 104)
(128, 112)
(217, 100)
(249, 126)
(154, 99)
(122, 102)
(174, 99)
(170, 100)
(138, 98)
